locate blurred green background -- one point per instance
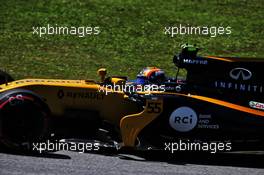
(132, 34)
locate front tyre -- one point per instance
(23, 119)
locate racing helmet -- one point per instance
(151, 75)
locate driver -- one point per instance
(151, 75)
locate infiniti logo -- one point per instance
(240, 73)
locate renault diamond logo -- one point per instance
(240, 73)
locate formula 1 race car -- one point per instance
(220, 100)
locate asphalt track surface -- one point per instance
(67, 162)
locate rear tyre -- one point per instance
(23, 119)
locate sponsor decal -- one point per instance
(256, 105)
(205, 116)
(16, 100)
(89, 95)
(243, 87)
(183, 119)
(81, 95)
(240, 74)
(191, 61)
(206, 123)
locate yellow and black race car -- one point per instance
(221, 100)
